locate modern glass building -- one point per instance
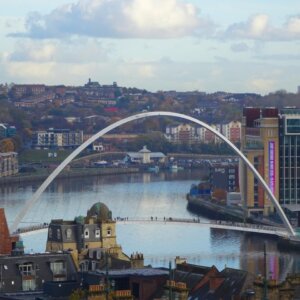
(271, 141)
(289, 158)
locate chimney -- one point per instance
(137, 260)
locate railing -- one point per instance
(31, 228)
(258, 228)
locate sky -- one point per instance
(183, 45)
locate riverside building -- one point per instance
(271, 142)
(90, 238)
(260, 144)
(8, 164)
(289, 162)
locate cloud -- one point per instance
(118, 19)
(31, 52)
(278, 57)
(239, 47)
(263, 85)
(34, 71)
(259, 27)
(82, 50)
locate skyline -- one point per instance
(185, 45)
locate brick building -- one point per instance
(7, 241)
(25, 90)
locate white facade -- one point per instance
(185, 133)
(144, 156)
(232, 131)
(60, 138)
(8, 164)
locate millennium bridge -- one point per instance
(214, 224)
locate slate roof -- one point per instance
(144, 272)
(233, 284)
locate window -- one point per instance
(293, 125)
(26, 269)
(86, 233)
(28, 285)
(58, 234)
(108, 232)
(59, 270)
(84, 266)
(69, 233)
(50, 233)
(97, 233)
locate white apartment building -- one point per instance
(57, 138)
(185, 133)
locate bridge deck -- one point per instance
(226, 225)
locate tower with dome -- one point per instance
(93, 235)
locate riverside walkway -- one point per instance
(216, 224)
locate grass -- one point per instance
(43, 156)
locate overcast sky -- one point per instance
(205, 45)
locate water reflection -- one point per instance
(142, 196)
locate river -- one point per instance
(142, 196)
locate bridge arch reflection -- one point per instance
(78, 150)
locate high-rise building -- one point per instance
(271, 142)
(260, 144)
(289, 160)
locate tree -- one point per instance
(155, 141)
(7, 145)
(17, 141)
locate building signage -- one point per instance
(272, 166)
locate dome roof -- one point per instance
(100, 211)
(145, 150)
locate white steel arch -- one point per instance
(78, 150)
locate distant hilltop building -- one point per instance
(25, 90)
(96, 84)
(298, 90)
(95, 94)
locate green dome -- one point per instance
(100, 211)
(79, 220)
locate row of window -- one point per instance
(28, 269)
(86, 233)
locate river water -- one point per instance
(142, 196)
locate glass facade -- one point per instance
(289, 157)
(292, 126)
